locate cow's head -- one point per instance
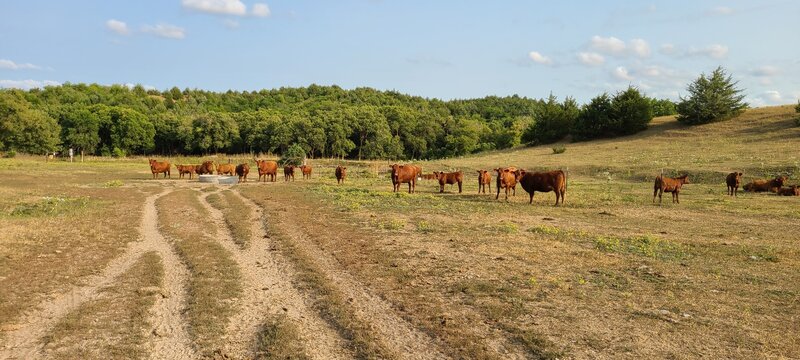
(684, 179)
(780, 180)
(152, 161)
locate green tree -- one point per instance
(631, 111)
(294, 155)
(214, 131)
(711, 98)
(125, 129)
(25, 129)
(551, 121)
(594, 119)
(80, 128)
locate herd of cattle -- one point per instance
(506, 178)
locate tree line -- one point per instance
(325, 121)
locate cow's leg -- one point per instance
(498, 193)
(531, 199)
(459, 187)
(660, 194)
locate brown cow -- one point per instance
(484, 178)
(429, 176)
(341, 173)
(227, 169)
(506, 179)
(670, 185)
(793, 190)
(288, 172)
(242, 170)
(157, 167)
(450, 178)
(207, 167)
(267, 168)
(734, 180)
(555, 181)
(404, 174)
(766, 185)
(306, 169)
(185, 169)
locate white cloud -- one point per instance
(591, 59)
(165, 31)
(118, 27)
(609, 45)
(772, 97)
(640, 48)
(217, 7)
(621, 73)
(10, 65)
(715, 51)
(720, 10)
(27, 84)
(538, 58)
(261, 10)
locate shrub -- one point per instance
(11, 154)
(711, 98)
(662, 107)
(294, 155)
(593, 119)
(118, 153)
(559, 149)
(628, 112)
(552, 121)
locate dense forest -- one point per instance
(326, 121)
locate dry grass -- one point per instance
(112, 326)
(278, 339)
(215, 281)
(238, 216)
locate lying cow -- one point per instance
(288, 172)
(186, 169)
(306, 170)
(555, 181)
(207, 167)
(506, 179)
(242, 170)
(402, 174)
(766, 185)
(484, 179)
(450, 178)
(671, 185)
(158, 167)
(341, 174)
(734, 180)
(793, 190)
(267, 168)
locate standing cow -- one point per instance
(207, 167)
(506, 179)
(733, 180)
(555, 181)
(226, 169)
(450, 178)
(484, 179)
(288, 172)
(306, 170)
(341, 174)
(242, 170)
(404, 174)
(158, 167)
(267, 168)
(671, 185)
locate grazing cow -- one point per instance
(186, 169)
(288, 172)
(484, 178)
(766, 185)
(267, 168)
(793, 190)
(404, 174)
(242, 170)
(429, 176)
(227, 169)
(341, 174)
(506, 179)
(733, 180)
(555, 181)
(157, 167)
(665, 184)
(207, 167)
(450, 178)
(306, 169)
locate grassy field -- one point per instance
(608, 275)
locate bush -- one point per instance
(711, 98)
(627, 113)
(662, 107)
(294, 155)
(552, 121)
(559, 149)
(118, 153)
(594, 118)
(11, 154)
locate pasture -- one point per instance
(97, 260)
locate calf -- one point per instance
(766, 185)
(506, 179)
(733, 180)
(555, 181)
(793, 190)
(341, 174)
(207, 167)
(242, 170)
(267, 168)
(484, 179)
(429, 177)
(404, 174)
(306, 169)
(158, 167)
(186, 169)
(227, 169)
(288, 172)
(450, 178)
(665, 184)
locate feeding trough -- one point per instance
(218, 179)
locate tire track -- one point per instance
(25, 341)
(268, 292)
(397, 334)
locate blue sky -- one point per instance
(443, 49)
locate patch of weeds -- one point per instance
(392, 224)
(644, 245)
(609, 279)
(767, 254)
(559, 149)
(424, 227)
(113, 183)
(51, 206)
(507, 227)
(545, 229)
(280, 339)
